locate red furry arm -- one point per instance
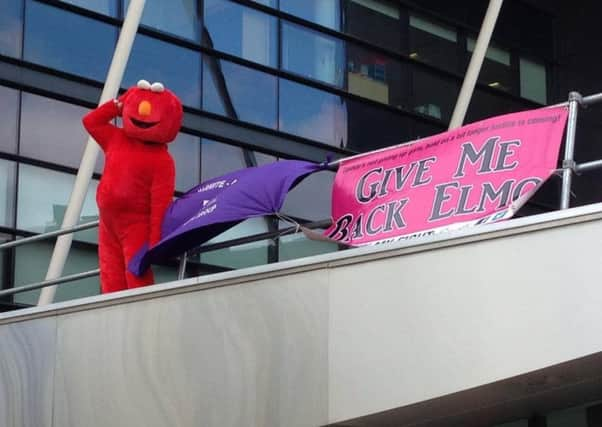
(98, 123)
(161, 196)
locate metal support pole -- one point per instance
(53, 282)
(84, 174)
(583, 167)
(182, 267)
(568, 165)
(476, 61)
(44, 236)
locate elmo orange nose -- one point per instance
(144, 108)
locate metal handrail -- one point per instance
(38, 237)
(200, 249)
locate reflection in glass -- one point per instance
(533, 84)
(433, 95)
(312, 114)
(296, 245)
(52, 131)
(313, 55)
(11, 28)
(7, 193)
(176, 67)
(376, 21)
(31, 264)
(484, 104)
(374, 76)
(186, 152)
(238, 92)
(106, 7)
(240, 31)
(9, 111)
(68, 42)
(495, 71)
(391, 128)
(433, 43)
(218, 159)
(323, 12)
(178, 17)
(42, 200)
(311, 198)
(247, 255)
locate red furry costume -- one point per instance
(138, 179)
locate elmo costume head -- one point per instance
(151, 113)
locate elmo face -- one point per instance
(151, 113)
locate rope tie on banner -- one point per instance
(289, 220)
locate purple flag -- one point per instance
(216, 205)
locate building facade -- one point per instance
(260, 80)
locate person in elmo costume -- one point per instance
(137, 184)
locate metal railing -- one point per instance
(183, 258)
(568, 169)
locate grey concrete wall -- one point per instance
(314, 341)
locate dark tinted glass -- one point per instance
(106, 7)
(240, 31)
(7, 193)
(178, 17)
(485, 104)
(311, 199)
(373, 127)
(376, 21)
(186, 152)
(496, 71)
(312, 114)
(52, 131)
(11, 27)
(433, 43)
(323, 12)
(218, 159)
(9, 111)
(176, 67)
(433, 95)
(374, 76)
(312, 54)
(239, 92)
(68, 42)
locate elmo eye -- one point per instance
(157, 87)
(143, 84)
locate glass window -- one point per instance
(312, 114)
(376, 21)
(9, 111)
(238, 92)
(68, 42)
(42, 200)
(106, 7)
(176, 67)
(496, 71)
(241, 256)
(31, 265)
(533, 83)
(311, 198)
(374, 76)
(7, 193)
(323, 12)
(433, 43)
(186, 152)
(240, 31)
(218, 159)
(313, 55)
(392, 128)
(268, 3)
(52, 131)
(485, 104)
(11, 28)
(178, 17)
(296, 245)
(433, 95)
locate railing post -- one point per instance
(182, 267)
(568, 164)
(86, 168)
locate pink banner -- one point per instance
(479, 173)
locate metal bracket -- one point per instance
(569, 164)
(576, 96)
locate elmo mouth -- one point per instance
(141, 124)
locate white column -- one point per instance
(86, 168)
(476, 61)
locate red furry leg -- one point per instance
(110, 257)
